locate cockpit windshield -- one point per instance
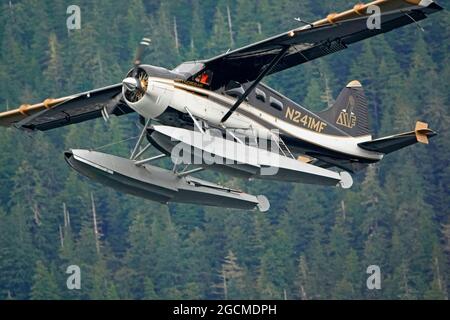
(189, 68)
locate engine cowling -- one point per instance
(144, 94)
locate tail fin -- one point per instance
(350, 112)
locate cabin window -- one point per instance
(260, 95)
(275, 103)
(234, 89)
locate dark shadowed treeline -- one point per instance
(314, 243)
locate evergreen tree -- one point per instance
(219, 41)
(17, 254)
(149, 289)
(54, 71)
(232, 278)
(44, 285)
(304, 279)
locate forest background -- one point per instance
(314, 243)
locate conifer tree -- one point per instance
(44, 284)
(232, 277)
(219, 40)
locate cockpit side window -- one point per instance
(204, 77)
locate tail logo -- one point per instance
(347, 117)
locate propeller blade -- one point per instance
(140, 50)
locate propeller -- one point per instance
(136, 82)
(134, 85)
(145, 42)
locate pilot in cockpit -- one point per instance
(204, 78)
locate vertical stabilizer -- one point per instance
(350, 112)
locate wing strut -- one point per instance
(269, 67)
(199, 127)
(141, 137)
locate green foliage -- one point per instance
(44, 284)
(314, 243)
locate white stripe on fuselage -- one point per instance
(214, 112)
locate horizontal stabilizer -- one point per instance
(393, 143)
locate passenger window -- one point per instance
(234, 89)
(275, 103)
(260, 95)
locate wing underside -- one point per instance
(55, 113)
(316, 40)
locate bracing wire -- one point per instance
(114, 143)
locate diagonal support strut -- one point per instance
(141, 137)
(272, 64)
